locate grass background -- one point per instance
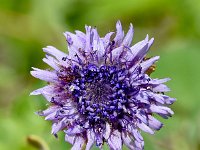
(26, 26)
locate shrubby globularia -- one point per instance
(101, 91)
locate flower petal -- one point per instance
(148, 63)
(119, 35)
(161, 88)
(117, 52)
(107, 131)
(46, 89)
(70, 139)
(106, 39)
(154, 123)
(165, 111)
(75, 129)
(58, 126)
(115, 140)
(88, 39)
(78, 143)
(128, 141)
(129, 36)
(44, 75)
(51, 62)
(55, 52)
(90, 139)
(168, 100)
(144, 127)
(139, 142)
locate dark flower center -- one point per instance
(101, 93)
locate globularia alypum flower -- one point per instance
(101, 92)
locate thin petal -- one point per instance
(158, 81)
(74, 130)
(120, 33)
(107, 131)
(58, 126)
(168, 100)
(75, 46)
(44, 75)
(115, 140)
(51, 116)
(79, 143)
(150, 42)
(128, 141)
(139, 142)
(157, 97)
(54, 52)
(48, 111)
(88, 38)
(70, 139)
(145, 128)
(46, 89)
(91, 140)
(161, 110)
(161, 88)
(74, 41)
(80, 35)
(129, 36)
(148, 63)
(51, 62)
(154, 123)
(117, 52)
(106, 39)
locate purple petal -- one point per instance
(90, 139)
(88, 38)
(95, 35)
(154, 123)
(78, 143)
(129, 36)
(49, 111)
(58, 126)
(48, 92)
(51, 116)
(139, 142)
(148, 63)
(115, 140)
(138, 56)
(106, 39)
(74, 41)
(158, 81)
(128, 141)
(70, 139)
(75, 45)
(157, 97)
(168, 100)
(54, 52)
(145, 128)
(44, 75)
(161, 88)
(117, 52)
(161, 110)
(76, 129)
(98, 48)
(119, 34)
(81, 35)
(46, 89)
(150, 42)
(107, 131)
(51, 62)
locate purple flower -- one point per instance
(101, 92)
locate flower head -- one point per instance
(101, 91)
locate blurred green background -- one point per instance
(26, 26)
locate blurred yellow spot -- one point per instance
(37, 142)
